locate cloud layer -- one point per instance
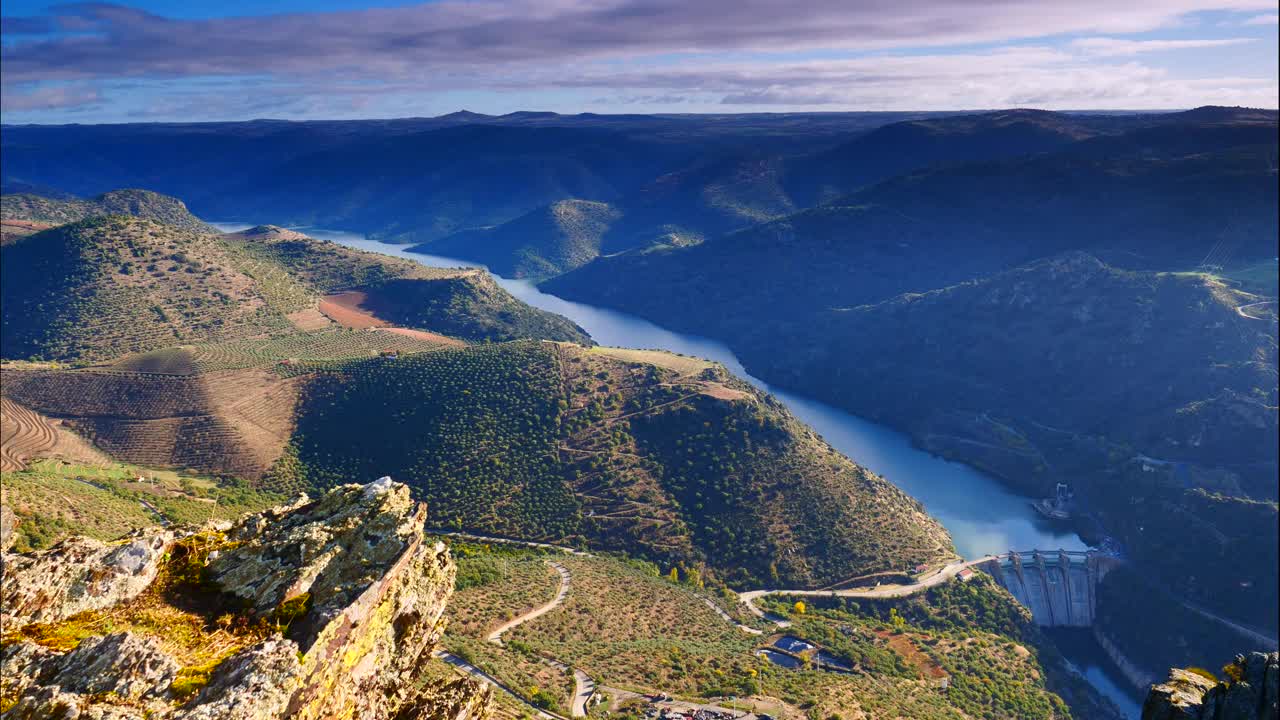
(706, 51)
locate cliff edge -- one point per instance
(315, 610)
(1250, 691)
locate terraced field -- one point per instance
(233, 422)
(300, 349)
(23, 434)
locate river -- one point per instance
(982, 515)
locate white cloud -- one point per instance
(1109, 46)
(1271, 19)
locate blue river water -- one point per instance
(982, 515)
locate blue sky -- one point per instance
(308, 59)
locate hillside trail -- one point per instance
(485, 677)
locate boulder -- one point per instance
(79, 574)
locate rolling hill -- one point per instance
(548, 241)
(137, 203)
(97, 289)
(1169, 201)
(724, 190)
(103, 287)
(463, 303)
(640, 452)
(646, 453)
(927, 302)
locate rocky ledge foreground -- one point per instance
(318, 609)
(1249, 691)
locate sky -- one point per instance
(150, 61)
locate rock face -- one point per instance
(8, 523)
(77, 575)
(1250, 692)
(342, 598)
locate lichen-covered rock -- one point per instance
(79, 574)
(8, 523)
(330, 551)
(117, 676)
(1251, 691)
(122, 664)
(255, 683)
(349, 579)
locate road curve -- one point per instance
(884, 591)
(729, 618)
(561, 594)
(1240, 310)
(485, 677)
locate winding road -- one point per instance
(1241, 309)
(880, 591)
(583, 686)
(472, 537)
(475, 672)
(561, 594)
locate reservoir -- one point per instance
(982, 515)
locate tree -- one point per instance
(799, 607)
(898, 621)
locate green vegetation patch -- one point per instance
(472, 430)
(53, 500)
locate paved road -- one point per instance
(565, 577)
(1241, 309)
(729, 618)
(881, 591)
(583, 687)
(485, 677)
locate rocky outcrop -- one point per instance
(8, 524)
(79, 574)
(335, 605)
(1251, 691)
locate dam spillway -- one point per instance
(1058, 586)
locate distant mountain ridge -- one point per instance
(724, 191)
(138, 203)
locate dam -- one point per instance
(1058, 586)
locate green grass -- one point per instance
(54, 499)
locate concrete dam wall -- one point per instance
(1058, 586)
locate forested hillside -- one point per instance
(639, 452)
